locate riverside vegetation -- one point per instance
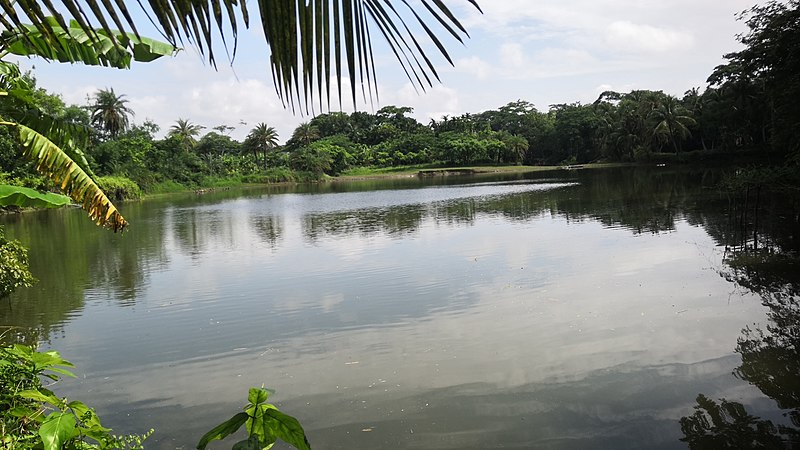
(747, 111)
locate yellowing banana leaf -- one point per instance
(73, 44)
(31, 198)
(73, 181)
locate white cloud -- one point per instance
(475, 66)
(628, 36)
(543, 51)
(432, 104)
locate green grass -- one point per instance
(166, 187)
(371, 171)
(221, 182)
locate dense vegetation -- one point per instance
(746, 109)
(749, 107)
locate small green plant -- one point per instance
(33, 417)
(264, 423)
(14, 271)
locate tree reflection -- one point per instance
(727, 425)
(765, 261)
(269, 229)
(395, 221)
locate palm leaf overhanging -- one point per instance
(309, 40)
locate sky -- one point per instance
(543, 51)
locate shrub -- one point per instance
(32, 417)
(119, 188)
(14, 271)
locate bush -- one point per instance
(119, 188)
(14, 271)
(32, 417)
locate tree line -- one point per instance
(748, 106)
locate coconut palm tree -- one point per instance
(186, 132)
(672, 121)
(109, 112)
(262, 138)
(313, 45)
(308, 44)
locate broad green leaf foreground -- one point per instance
(22, 196)
(73, 44)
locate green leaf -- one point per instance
(22, 411)
(31, 198)
(258, 424)
(287, 428)
(222, 430)
(57, 428)
(48, 361)
(74, 181)
(44, 397)
(257, 395)
(298, 34)
(250, 443)
(73, 44)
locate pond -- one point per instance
(566, 309)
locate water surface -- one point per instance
(580, 309)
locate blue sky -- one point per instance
(542, 51)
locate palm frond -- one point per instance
(300, 35)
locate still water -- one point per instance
(581, 309)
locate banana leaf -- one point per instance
(31, 198)
(74, 45)
(72, 180)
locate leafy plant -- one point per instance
(120, 188)
(14, 271)
(264, 423)
(33, 417)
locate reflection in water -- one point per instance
(268, 228)
(554, 310)
(763, 257)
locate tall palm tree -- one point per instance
(109, 112)
(672, 121)
(308, 45)
(262, 138)
(313, 45)
(186, 132)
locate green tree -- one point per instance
(110, 112)
(762, 78)
(186, 132)
(672, 122)
(303, 135)
(261, 139)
